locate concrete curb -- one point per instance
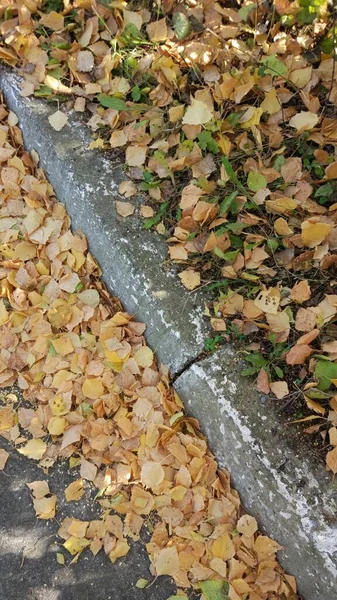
(276, 476)
(130, 257)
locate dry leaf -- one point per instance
(124, 209)
(58, 120)
(197, 113)
(303, 121)
(190, 279)
(280, 389)
(166, 561)
(3, 458)
(34, 449)
(74, 491)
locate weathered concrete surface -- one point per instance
(131, 259)
(28, 547)
(280, 481)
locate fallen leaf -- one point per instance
(280, 389)
(301, 291)
(247, 525)
(262, 383)
(34, 449)
(3, 458)
(314, 233)
(74, 491)
(331, 460)
(166, 561)
(58, 120)
(190, 279)
(152, 474)
(304, 121)
(215, 590)
(124, 209)
(197, 113)
(298, 354)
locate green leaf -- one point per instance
(60, 558)
(148, 223)
(324, 190)
(256, 359)
(177, 598)
(274, 65)
(256, 181)
(246, 9)
(112, 102)
(51, 349)
(43, 92)
(249, 371)
(231, 174)
(206, 142)
(315, 394)
(86, 409)
(215, 590)
(136, 93)
(181, 25)
(278, 371)
(141, 583)
(325, 371)
(226, 203)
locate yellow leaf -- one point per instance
(34, 449)
(78, 528)
(57, 425)
(313, 233)
(74, 491)
(60, 558)
(300, 77)
(53, 20)
(303, 121)
(45, 508)
(121, 549)
(281, 206)
(247, 525)
(75, 545)
(190, 279)
(152, 474)
(166, 561)
(157, 30)
(223, 547)
(93, 388)
(4, 314)
(135, 155)
(197, 113)
(251, 117)
(3, 458)
(59, 406)
(144, 356)
(271, 104)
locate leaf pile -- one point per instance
(97, 399)
(227, 120)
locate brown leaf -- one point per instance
(301, 291)
(298, 354)
(262, 383)
(331, 460)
